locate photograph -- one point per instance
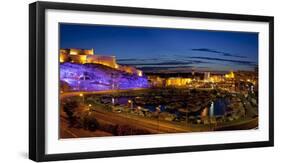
(131, 80)
(114, 80)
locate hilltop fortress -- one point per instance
(83, 56)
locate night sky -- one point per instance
(164, 49)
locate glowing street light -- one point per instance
(90, 107)
(81, 95)
(131, 103)
(139, 73)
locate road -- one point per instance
(151, 125)
(70, 94)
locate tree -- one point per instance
(69, 108)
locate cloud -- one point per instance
(160, 62)
(226, 60)
(175, 63)
(218, 52)
(167, 69)
(135, 60)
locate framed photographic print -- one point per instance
(110, 81)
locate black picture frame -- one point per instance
(37, 80)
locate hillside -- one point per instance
(96, 77)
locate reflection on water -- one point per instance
(220, 106)
(211, 109)
(217, 107)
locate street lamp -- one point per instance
(90, 107)
(81, 95)
(131, 103)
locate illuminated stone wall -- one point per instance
(64, 51)
(89, 52)
(178, 82)
(109, 61)
(86, 56)
(130, 70)
(78, 59)
(83, 56)
(64, 57)
(81, 51)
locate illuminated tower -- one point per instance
(207, 76)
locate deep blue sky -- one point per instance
(165, 49)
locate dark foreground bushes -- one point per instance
(120, 130)
(80, 117)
